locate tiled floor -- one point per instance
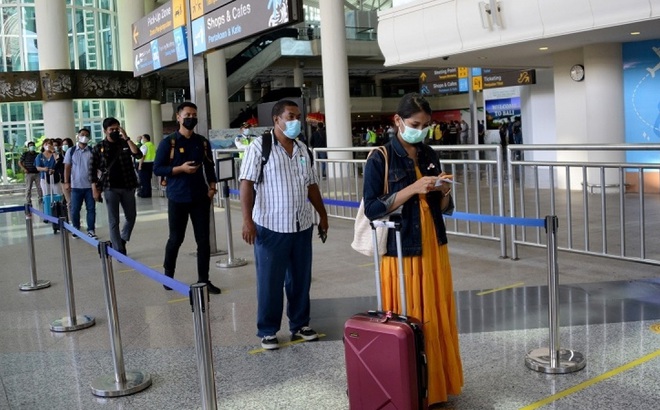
(610, 312)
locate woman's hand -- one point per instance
(424, 185)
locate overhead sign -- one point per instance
(499, 78)
(161, 21)
(448, 80)
(161, 52)
(241, 19)
(454, 80)
(200, 7)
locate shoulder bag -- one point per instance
(362, 235)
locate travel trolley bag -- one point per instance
(385, 359)
(54, 206)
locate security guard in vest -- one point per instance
(146, 165)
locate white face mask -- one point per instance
(246, 131)
(83, 139)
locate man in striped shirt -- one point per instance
(279, 223)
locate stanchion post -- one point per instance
(212, 241)
(230, 261)
(199, 300)
(553, 359)
(71, 322)
(34, 284)
(121, 383)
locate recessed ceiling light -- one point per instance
(543, 48)
(635, 33)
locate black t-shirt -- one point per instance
(27, 159)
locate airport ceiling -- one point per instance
(520, 55)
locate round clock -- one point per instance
(577, 72)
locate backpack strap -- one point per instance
(172, 146)
(266, 148)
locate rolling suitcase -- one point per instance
(385, 359)
(54, 206)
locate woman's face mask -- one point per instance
(413, 135)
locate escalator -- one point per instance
(256, 57)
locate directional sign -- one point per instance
(200, 7)
(499, 78)
(448, 80)
(161, 21)
(241, 19)
(161, 52)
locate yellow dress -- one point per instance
(430, 299)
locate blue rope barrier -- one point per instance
(11, 208)
(505, 220)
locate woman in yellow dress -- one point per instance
(414, 183)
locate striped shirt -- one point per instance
(79, 159)
(281, 198)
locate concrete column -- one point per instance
(335, 75)
(298, 76)
(379, 86)
(137, 113)
(54, 54)
(149, 6)
(248, 90)
(157, 122)
(216, 65)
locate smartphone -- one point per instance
(447, 180)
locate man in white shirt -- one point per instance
(76, 181)
(279, 223)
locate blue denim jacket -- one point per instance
(402, 174)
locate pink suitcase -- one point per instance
(385, 360)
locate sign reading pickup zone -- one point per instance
(241, 19)
(159, 22)
(165, 50)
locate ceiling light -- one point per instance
(482, 58)
(635, 33)
(543, 48)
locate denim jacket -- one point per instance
(402, 174)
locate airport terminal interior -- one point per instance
(609, 312)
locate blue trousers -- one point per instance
(78, 195)
(283, 260)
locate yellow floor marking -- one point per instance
(593, 381)
(178, 300)
(366, 265)
(515, 285)
(293, 342)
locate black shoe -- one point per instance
(213, 289)
(169, 275)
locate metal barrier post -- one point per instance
(122, 383)
(212, 241)
(71, 322)
(230, 262)
(553, 359)
(34, 284)
(199, 299)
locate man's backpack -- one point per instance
(172, 138)
(267, 147)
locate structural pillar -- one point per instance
(335, 76)
(298, 75)
(137, 113)
(218, 96)
(249, 93)
(54, 55)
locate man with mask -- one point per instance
(27, 164)
(186, 160)
(278, 222)
(113, 175)
(77, 182)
